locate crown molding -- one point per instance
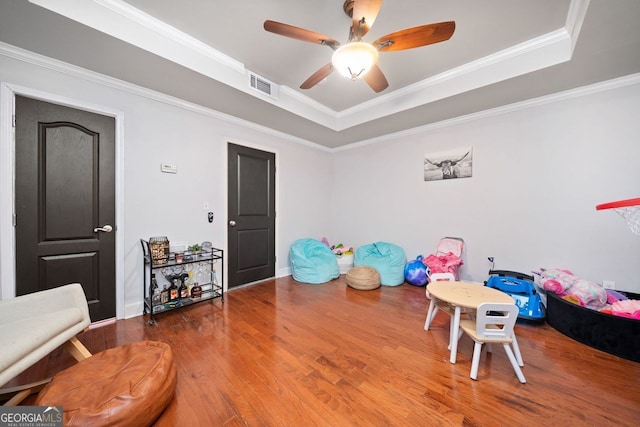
(575, 18)
(541, 52)
(604, 86)
(91, 76)
(124, 22)
(26, 56)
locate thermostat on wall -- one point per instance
(168, 168)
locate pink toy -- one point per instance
(556, 280)
(447, 258)
(626, 306)
(564, 283)
(553, 285)
(338, 249)
(613, 296)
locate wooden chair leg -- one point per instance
(19, 393)
(77, 349)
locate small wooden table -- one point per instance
(461, 294)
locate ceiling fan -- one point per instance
(357, 58)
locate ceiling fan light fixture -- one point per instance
(355, 59)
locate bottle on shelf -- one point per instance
(214, 281)
(155, 291)
(190, 283)
(182, 289)
(173, 289)
(164, 295)
(196, 290)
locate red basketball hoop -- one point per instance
(628, 209)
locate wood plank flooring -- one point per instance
(281, 353)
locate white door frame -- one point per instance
(8, 94)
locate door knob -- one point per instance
(232, 223)
(106, 228)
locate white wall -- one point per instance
(538, 173)
(158, 129)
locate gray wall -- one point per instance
(538, 172)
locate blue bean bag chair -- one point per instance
(312, 262)
(387, 258)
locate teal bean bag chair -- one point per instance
(313, 262)
(387, 258)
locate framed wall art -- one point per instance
(451, 164)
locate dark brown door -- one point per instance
(252, 215)
(65, 190)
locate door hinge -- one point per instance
(13, 120)
(13, 219)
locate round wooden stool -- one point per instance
(129, 385)
(363, 278)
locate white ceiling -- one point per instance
(503, 51)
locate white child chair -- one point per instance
(442, 306)
(494, 323)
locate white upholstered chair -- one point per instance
(33, 325)
(494, 323)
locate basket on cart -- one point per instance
(159, 250)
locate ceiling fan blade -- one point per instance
(299, 34)
(415, 37)
(317, 77)
(364, 15)
(376, 79)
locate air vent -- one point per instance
(263, 85)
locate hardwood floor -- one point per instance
(282, 353)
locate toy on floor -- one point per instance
(343, 253)
(416, 272)
(339, 249)
(447, 257)
(521, 288)
(563, 283)
(615, 332)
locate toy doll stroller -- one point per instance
(447, 257)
